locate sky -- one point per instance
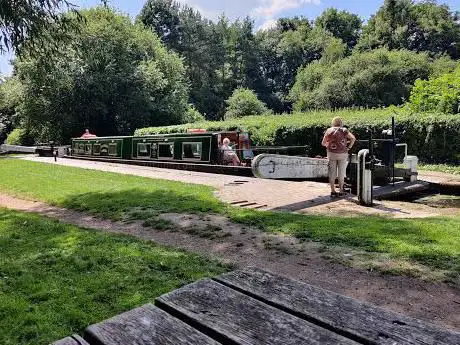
(264, 12)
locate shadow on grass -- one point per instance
(434, 242)
(56, 279)
(141, 205)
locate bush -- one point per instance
(432, 137)
(192, 115)
(20, 136)
(10, 99)
(244, 102)
(14, 138)
(372, 79)
(440, 94)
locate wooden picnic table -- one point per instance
(251, 306)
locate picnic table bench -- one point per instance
(251, 306)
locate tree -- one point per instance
(162, 16)
(439, 94)
(10, 99)
(292, 24)
(244, 102)
(129, 81)
(341, 24)
(421, 26)
(370, 79)
(33, 23)
(283, 53)
(192, 115)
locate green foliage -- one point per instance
(223, 56)
(192, 115)
(432, 137)
(32, 24)
(370, 79)
(58, 279)
(219, 56)
(10, 99)
(244, 102)
(439, 94)
(14, 137)
(285, 51)
(341, 24)
(417, 26)
(131, 80)
(162, 16)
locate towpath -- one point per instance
(248, 192)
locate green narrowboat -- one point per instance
(109, 147)
(194, 147)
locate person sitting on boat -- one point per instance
(229, 156)
(87, 134)
(337, 140)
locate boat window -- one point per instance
(143, 150)
(166, 150)
(81, 148)
(104, 150)
(96, 149)
(191, 150)
(154, 151)
(88, 149)
(113, 149)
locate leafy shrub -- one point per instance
(432, 137)
(244, 102)
(20, 136)
(14, 137)
(192, 115)
(10, 99)
(440, 94)
(370, 79)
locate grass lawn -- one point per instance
(445, 168)
(56, 279)
(434, 241)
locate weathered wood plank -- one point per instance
(73, 340)
(361, 321)
(146, 325)
(234, 318)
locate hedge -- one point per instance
(434, 138)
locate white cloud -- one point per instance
(267, 25)
(260, 10)
(271, 8)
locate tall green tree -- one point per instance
(162, 16)
(341, 24)
(371, 79)
(417, 26)
(33, 23)
(113, 77)
(219, 57)
(284, 52)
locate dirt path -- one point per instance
(215, 237)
